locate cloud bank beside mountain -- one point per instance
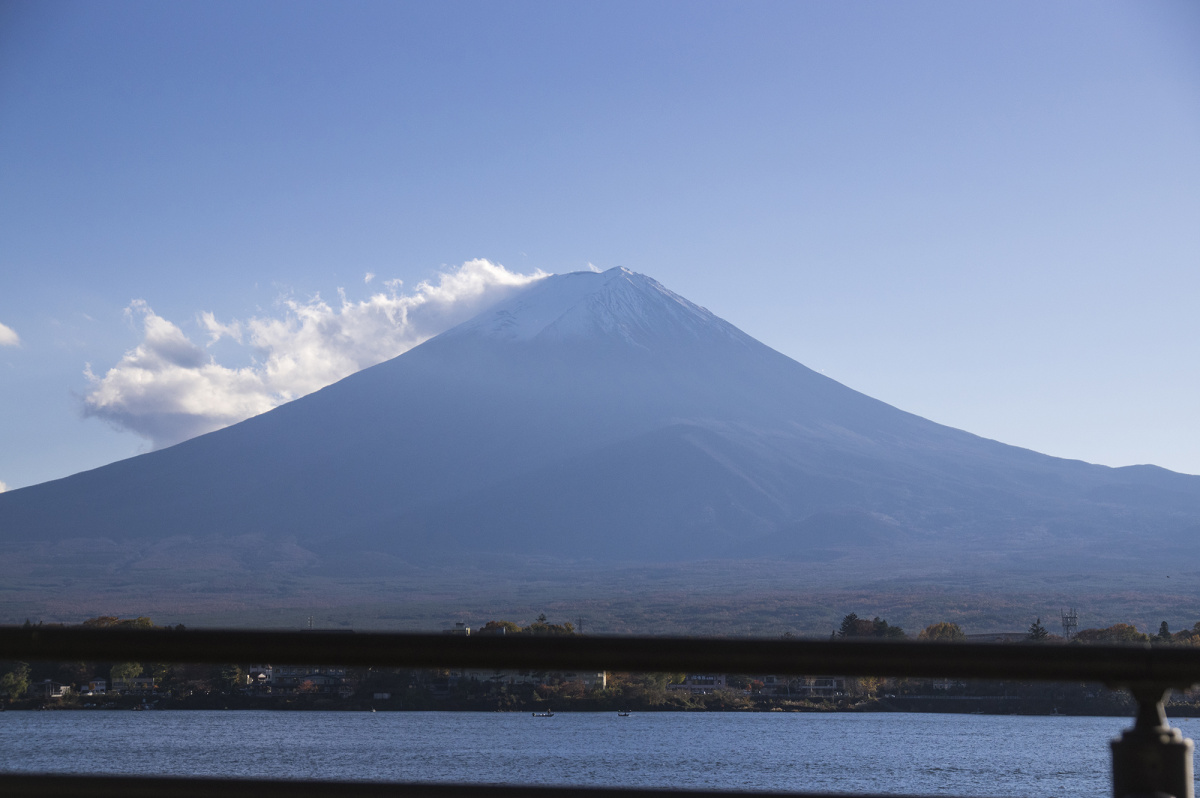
(168, 388)
(8, 336)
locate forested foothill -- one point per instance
(135, 685)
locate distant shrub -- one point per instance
(943, 631)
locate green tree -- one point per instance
(125, 671)
(1037, 631)
(543, 627)
(499, 628)
(881, 629)
(539, 627)
(654, 687)
(231, 678)
(72, 672)
(942, 631)
(1164, 633)
(160, 672)
(849, 627)
(14, 679)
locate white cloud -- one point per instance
(3, 487)
(368, 277)
(8, 336)
(169, 389)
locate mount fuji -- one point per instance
(600, 417)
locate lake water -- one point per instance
(971, 755)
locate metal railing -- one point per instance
(1150, 759)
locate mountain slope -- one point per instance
(600, 416)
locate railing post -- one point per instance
(1152, 759)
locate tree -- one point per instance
(1187, 637)
(71, 672)
(865, 686)
(231, 678)
(880, 628)
(102, 621)
(539, 627)
(568, 690)
(850, 627)
(160, 672)
(499, 628)
(542, 627)
(125, 671)
(1037, 631)
(1164, 633)
(14, 679)
(1117, 633)
(942, 631)
(113, 622)
(853, 626)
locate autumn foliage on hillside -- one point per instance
(539, 627)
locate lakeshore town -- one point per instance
(143, 686)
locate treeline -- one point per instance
(854, 627)
(541, 626)
(176, 684)
(234, 685)
(1127, 633)
(16, 678)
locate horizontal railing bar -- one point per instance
(90, 786)
(1174, 666)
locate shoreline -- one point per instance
(923, 705)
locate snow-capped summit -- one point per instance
(616, 303)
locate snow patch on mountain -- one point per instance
(618, 304)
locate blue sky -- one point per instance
(986, 214)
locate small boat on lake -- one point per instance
(549, 713)
(623, 713)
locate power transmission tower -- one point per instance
(1070, 621)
